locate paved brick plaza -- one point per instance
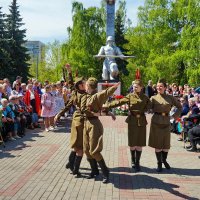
(34, 168)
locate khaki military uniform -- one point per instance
(159, 137)
(138, 105)
(77, 126)
(93, 130)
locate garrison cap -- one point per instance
(92, 82)
(78, 80)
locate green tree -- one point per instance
(166, 40)
(86, 36)
(16, 36)
(4, 56)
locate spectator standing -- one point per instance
(149, 89)
(47, 112)
(16, 89)
(8, 87)
(190, 95)
(175, 91)
(59, 100)
(198, 100)
(32, 100)
(23, 87)
(18, 80)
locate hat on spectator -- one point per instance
(13, 97)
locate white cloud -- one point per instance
(47, 20)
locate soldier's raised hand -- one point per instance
(68, 67)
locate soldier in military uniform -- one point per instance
(138, 104)
(77, 126)
(159, 137)
(91, 105)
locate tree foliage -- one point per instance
(166, 40)
(85, 39)
(13, 53)
(4, 55)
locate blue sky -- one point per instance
(47, 20)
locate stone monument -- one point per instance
(110, 51)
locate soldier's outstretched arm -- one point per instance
(103, 95)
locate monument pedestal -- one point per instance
(104, 84)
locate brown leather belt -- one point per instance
(136, 114)
(163, 113)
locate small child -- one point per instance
(47, 102)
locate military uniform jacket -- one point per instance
(162, 103)
(159, 136)
(75, 100)
(92, 103)
(138, 105)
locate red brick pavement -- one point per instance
(34, 168)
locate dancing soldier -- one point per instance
(77, 126)
(159, 137)
(138, 104)
(93, 130)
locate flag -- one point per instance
(137, 74)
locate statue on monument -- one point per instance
(110, 52)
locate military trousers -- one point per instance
(93, 139)
(76, 139)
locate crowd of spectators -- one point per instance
(21, 105)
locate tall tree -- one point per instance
(86, 36)
(16, 36)
(4, 56)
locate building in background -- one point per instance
(36, 51)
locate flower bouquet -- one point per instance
(122, 110)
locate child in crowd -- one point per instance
(47, 102)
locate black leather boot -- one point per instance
(137, 162)
(94, 167)
(70, 164)
(133, 158)
(164, 159)
(77, 163)
(159, 159)
(104, 170)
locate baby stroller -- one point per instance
(189, 123)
